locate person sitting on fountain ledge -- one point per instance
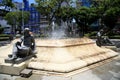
(25, 47)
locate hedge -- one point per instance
(93, 35)
(4, 37)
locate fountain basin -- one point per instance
(65, 55)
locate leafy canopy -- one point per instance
(15, 18)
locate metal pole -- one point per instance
(22, 16)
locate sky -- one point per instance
(30, 1)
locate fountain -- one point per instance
(65, 55)
(58, 54)
(61, 54)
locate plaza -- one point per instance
(74, 40)
(96, 71)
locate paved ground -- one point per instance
(108, 71)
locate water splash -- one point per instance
(58, 32)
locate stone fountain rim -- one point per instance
(58, 43)
(62, 46)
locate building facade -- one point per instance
(18, 5)
(34, 20)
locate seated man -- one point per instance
(25, 47)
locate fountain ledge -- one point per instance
(67, 55)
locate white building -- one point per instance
(18, 6)
(7, 28)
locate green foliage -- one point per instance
(1, 29)
(115, 37)
(114, 11)
(109, 11)
(91, 34)
(7, 3)
(111, 16)
(4, 37)
(15, 18)
(85, 16)
(67, 13)
(51, 8)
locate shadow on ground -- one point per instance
(109, 71)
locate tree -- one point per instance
(51, 8)
(109, 11)
(8, 4)
(1, 29)
(15, 19)
(67, 13)
(106, 10)
(85, 16)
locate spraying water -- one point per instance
(58, 32)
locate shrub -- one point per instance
(5, 37)
(1, 29)
(91, 34)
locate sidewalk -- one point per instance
(109, 71)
